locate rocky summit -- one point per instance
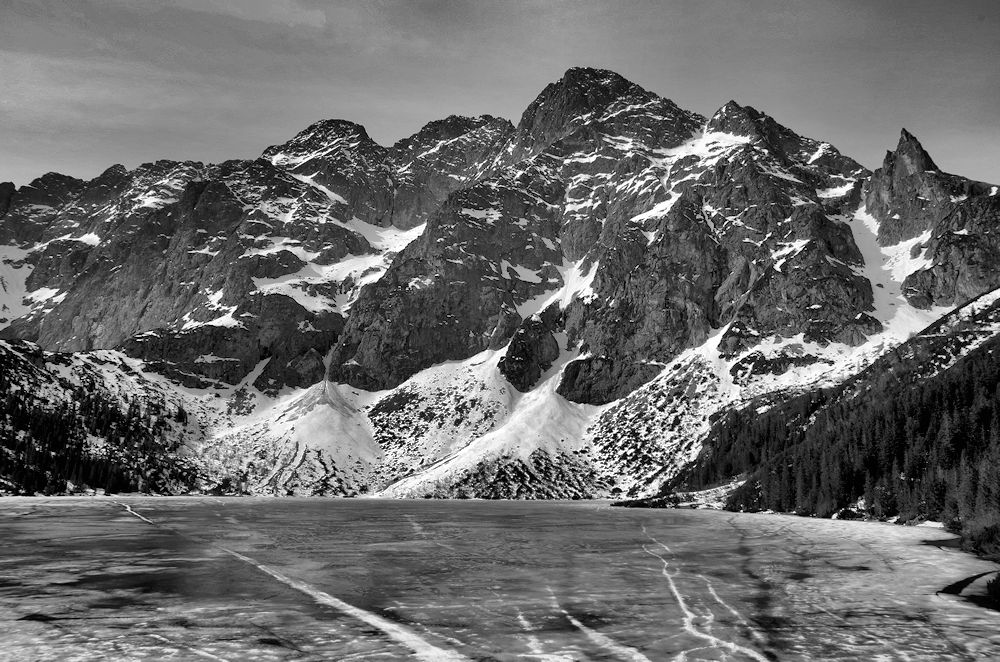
(562, 308)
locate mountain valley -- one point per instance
(572, 306)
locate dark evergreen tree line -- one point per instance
(88, 439)
(911, 447)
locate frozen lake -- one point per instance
(291, 579)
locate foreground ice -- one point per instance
(279, 579)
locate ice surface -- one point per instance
(282, 579)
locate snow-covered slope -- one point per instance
(560, 308)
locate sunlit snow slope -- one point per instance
(556, 308)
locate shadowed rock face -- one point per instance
(438, 160)
(30, 208)
(565, 105)
(339, 156)
(532, 350)
(964, 250)
(452, 292)
(909, 194)
(6, 195)
(675, 245)
(272, 328)
(599, 380)
(746, 243)
(609, 217)
(172, 247)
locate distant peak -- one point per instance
(729, 107)
(579, 91)
(911, 154)
(491, 119)
(321, 134)
(590, 73)
(732, 108)
(596, 83)
(908, 141)
(739, 120)
(463, 122)
(336, 126)
(586, 95)
(448, 128)
(55, 179)
(324, 131)
(117, 170)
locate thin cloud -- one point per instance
(212, 79)
(283, 12)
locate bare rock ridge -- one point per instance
(235, 262)
(964, 255)
(6, 194)
(579, 294)
(439, 159)
(951, 219)
(729, 244)
(529, 213)
(909, 194)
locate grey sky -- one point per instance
(89, 83)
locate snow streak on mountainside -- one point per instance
(552, 309)
(913, 436)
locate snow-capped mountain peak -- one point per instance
(558, 308)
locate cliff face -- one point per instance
(576, 294)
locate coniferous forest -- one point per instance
(85, 439)
(889, 443)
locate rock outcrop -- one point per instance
(909, 194)
(571, 299)
(964, 255)
(532, 350)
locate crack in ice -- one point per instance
(626, 652)
(689, 616)
(757, 636)
(128, 509)
(196, 651)
(533, 643)
(423, 649)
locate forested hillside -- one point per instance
(917, 435)
(58, 435)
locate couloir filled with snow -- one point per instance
(566, 202)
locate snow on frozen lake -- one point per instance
(312, 579)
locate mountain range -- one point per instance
(587, 303)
